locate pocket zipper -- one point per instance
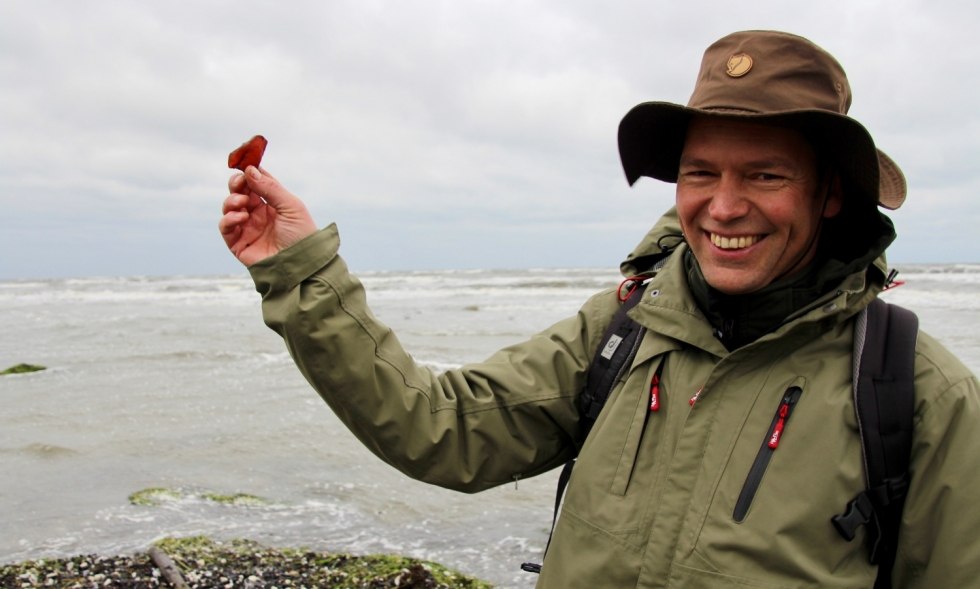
(769, 445)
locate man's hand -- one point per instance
(260, 217)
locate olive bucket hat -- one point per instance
(771, 77)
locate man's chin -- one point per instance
(733, 282)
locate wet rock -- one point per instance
(206, 563)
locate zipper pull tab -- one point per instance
(655, 392)
(791, 396)
(694, 399)
(777, 432)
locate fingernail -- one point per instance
(254, 173)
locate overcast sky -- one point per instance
(437, 134)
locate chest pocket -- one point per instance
(789, 463)
(770, 443)
(635, 427)
(611, 484)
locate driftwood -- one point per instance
(167, 567)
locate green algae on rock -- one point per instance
(23, 369)
(236, 499)
(204, 562)
(154, 496)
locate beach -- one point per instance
(174, 383)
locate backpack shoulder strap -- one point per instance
(616, 351)
(884, 400)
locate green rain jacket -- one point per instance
(657, 499)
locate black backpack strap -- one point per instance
(616, 351)
(884, 399)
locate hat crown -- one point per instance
(768, 72)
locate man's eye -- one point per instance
(767, 177)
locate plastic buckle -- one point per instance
(859, 512)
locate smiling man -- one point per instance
(729, 443)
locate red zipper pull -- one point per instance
(694, 399)
(655, 392)
(777, 432)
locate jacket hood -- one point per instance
(655, 245)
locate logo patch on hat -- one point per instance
(739, 65)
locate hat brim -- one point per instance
(652, 135)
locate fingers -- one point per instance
(234, 202)
(236, 183)
(234, 213)
(260, 217)
(232, 221)
(230, 226)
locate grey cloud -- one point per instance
(495, 121)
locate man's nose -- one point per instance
(728, 200)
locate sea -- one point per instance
(175, 383)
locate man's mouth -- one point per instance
(734, 242)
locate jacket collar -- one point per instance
(670, 311)
(681, 293)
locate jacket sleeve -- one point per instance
(938, 543)
(511, 416)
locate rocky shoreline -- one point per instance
(203, 563)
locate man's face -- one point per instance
(750, 202)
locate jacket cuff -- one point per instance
(288, 268)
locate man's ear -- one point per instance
(834, 199)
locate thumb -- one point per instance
(268, 188)
(291, 220)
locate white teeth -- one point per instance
(733, 243)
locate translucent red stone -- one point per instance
(249, 154)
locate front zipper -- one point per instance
(769, 445)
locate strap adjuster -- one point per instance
(890, 490)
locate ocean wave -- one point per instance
(960, 268)
(223, 290)
(941, 273)
(209, 355)
(41, 451)
(924, 298)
